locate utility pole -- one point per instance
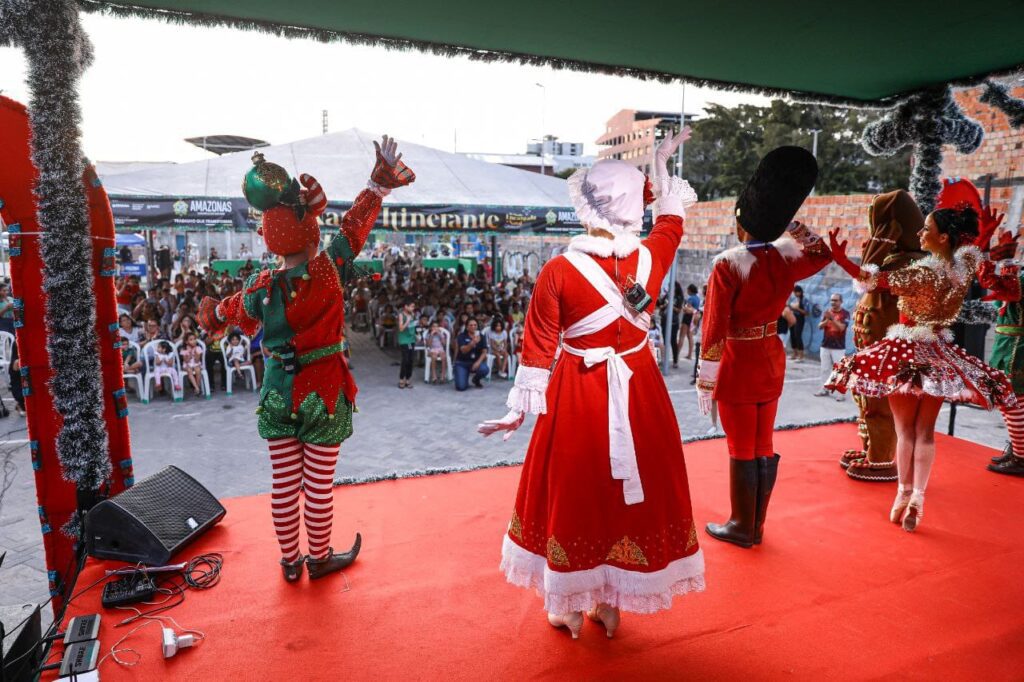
(670, 312)
(543, 122)
(323, 117)
(814, 147)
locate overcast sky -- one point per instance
(153, 84)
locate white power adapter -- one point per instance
(173, 642)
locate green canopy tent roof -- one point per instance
(855, 52)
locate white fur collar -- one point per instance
(742, 259)
(965, 260)
(621, 246)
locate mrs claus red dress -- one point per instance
(582, 533)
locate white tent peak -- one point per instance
(341, 162)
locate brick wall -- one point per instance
(1002, 151)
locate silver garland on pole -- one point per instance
(58, 52)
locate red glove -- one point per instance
(207, 316)
(989, 221)
(390, 172)
(838, 249)
(1006, 246)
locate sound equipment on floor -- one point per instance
(21, 637)
(153, 520)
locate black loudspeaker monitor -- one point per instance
(151, 521)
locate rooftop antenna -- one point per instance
(324, 118)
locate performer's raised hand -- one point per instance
(666, 149)
(389, 172)
(509, 423)
(838, 249)
(988, 222)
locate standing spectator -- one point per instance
(406, 341)
(471, 358)
(796, 333)
(497, 346)
(698, 325)
(256, 353)
(655, 341)
(833, 346)
(14, 379)
(691, 305)
(6, 309)
(213, 254)
(126, 290)
(125, 254)
(164, 261)
(677, 310)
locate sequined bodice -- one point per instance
(931, 291)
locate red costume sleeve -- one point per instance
(664, 239)
(815, 256)
(717, 311)
(232, 310)
(542, 326)
(355, 228)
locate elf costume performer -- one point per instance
(893, 244)
(743, 362)
(308, 393)
(602, 520)
(916, 365)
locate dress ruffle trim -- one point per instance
(529, 393)
(921, 334)
(569, 591)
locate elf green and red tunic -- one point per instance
(302, 313)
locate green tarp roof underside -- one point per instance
(869, 50)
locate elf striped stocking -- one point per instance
(318, 480)
(1014, 418)
(286, 461)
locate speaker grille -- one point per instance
(171, 504)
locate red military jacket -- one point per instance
(750, 285)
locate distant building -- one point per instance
(630, 135)
(557, 157)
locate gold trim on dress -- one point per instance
(515, 527)
(625, 551)
(556, 554)
(692, 541)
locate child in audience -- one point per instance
(436, 354)
(164, 361)
(192, 362)
(497, 343)
(237, 357)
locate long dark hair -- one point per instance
(961, 224)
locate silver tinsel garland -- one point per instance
(927, 121)
(57, 52)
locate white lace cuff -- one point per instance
(377, 189)
(802, 235)
(707, 375)
(673, 195)
(863, 285)
(528, 393)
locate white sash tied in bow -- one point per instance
(621, 449)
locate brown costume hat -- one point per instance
(893, 215)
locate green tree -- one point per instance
(728, 142)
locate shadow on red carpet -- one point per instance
(836, 591)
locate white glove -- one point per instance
(509, 423)
(387, 148)
(664, 152)
(704, 402)
(707, 377)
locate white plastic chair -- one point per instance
(204, 378)
(446, 339)
(140, 382)
(246, 369)
(6, 350)
(149, 356)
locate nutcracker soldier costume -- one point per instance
(743, 362)
(308, 393)
(893, 244)
(602, 519)
(916, 365)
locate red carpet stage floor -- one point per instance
(836, 591)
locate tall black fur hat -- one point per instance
(775, 192)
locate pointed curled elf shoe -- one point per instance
(332, 563)
(292, 569)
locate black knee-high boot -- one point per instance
(767, 471)
(743, 484)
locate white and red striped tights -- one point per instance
(1014, 418)
(298, 464)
